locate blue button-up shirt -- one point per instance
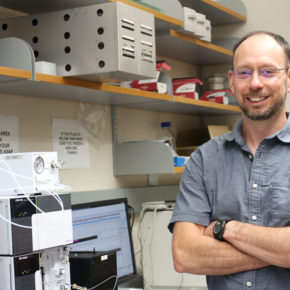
(223, 180)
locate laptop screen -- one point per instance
(103, 226)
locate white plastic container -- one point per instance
(196, 24)
(207, 36)
(200, 24)
(190, 16)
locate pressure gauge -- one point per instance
(39, 164)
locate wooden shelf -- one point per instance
(179, 169)
(49, 86)
(10, 74)
(201, 107)
(189, 106)
(183, 47)
(215, 12)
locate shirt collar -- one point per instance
(236, 134)
(284, 134)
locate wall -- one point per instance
(35, 117)
(261, 15)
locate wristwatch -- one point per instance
(219, 228)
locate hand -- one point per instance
(208, 231)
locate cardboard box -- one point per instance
(160, 84)
(217, 96)
(189, 140)
(153, 86)
(186, 87)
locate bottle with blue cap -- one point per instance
(166, 127)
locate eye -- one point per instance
(268, 72)
(243, 73)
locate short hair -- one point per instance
(280, 40)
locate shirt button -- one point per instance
(254, 217)
(250, 156)
(249, 284)
(255, 185)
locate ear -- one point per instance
(288, 74)
(231, 81)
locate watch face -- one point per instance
(217, 227)
(39, 164)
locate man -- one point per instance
(231, 221)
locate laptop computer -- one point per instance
(105, 226)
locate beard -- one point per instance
(271, 111)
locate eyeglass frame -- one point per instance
(259, 71)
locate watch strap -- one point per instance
(218, 234)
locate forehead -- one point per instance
(259, 50)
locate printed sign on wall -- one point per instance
(70, 142)
(9, 139)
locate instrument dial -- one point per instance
(39, 164)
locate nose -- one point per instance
(255, 81)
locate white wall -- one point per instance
(261, 15)
(35, 117)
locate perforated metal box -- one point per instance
(103, 42)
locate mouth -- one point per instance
(257, 99)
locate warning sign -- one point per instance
(70, 143)
(9, 140)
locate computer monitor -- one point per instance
(103, 226)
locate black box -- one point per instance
(89, 269)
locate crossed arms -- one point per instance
(247, 247)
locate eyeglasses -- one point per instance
(266, 73)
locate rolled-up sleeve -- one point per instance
(192, 204)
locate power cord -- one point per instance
(131, 216)
(75, 286)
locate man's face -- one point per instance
(260, 97)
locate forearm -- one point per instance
(270, 244)
(196, 253)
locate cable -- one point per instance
(131, 216)
(57, 198)
(150, 244)
(13, 175)
(142, 214)
(75, 286)
(113, 276)
(57, 186)
(181, 282)
(15, 224)
(18, 184)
